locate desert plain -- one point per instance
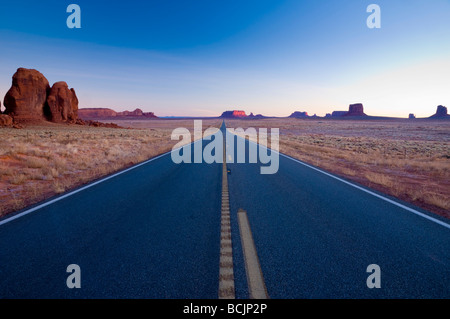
(405, 159)
(40, 161)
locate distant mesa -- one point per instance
(299, 115)
(236, 114)
(105, 113)
(137, 113)
(338, 113)
(257, 116)
(411, 116)
(441, 113)
(355, 110)
(233, 114)
(91, 113)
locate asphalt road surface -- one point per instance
(316, 235)
(154, 232)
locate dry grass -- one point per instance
(406, 159)
(38, 162)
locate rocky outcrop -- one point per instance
(298, 115)
(441, 113)
(411, 116)
(62, 104)
(257, 116)
(6, 120)
(233, 114)
(355, 110)
(30, 98)
(27, 96)
(150, 114)
(136, 113)
(97, 124)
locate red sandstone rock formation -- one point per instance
(92, 113)
(6, 120)
(102, 113)
(62, 103)
(27, 96)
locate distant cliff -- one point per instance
(233, 114)
(255, 117)
(354, 110)
(338, 113)
(298, 115)
(441, 113)
(101, 113)
(90, 113)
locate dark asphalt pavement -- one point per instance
(316, 236)
(154, 232)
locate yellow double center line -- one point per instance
(255, 279)
(226, 275)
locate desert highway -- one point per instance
(153, 231)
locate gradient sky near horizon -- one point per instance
(202, 57)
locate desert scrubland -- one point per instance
(40, 161)
(407, 159)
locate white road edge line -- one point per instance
(7, 220)
(437, 221)
(78, 190)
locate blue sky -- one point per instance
(201, 57)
